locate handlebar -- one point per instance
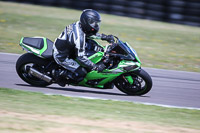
(116, 41)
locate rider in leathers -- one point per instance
(71, 45)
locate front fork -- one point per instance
(129, 78)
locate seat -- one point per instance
(37, 43)
(48, 53)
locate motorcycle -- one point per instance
(123, 67)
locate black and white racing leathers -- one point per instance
(70, 45)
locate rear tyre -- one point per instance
(142, 83)
(22, 67)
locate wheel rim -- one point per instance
(138, 85)
(27, 76)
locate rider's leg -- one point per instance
(78, 75)
(73, 70)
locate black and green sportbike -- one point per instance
(123, 67)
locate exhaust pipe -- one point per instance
(39, 75)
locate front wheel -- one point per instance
(136, 83)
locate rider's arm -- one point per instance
(97, 36)
(97, 47)
(108, 38)
(80, 50)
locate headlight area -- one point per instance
(129, 65)
(129, 68)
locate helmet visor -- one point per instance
(94, 23)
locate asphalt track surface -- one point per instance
(170, 88)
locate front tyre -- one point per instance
(27, 61)
(139, 84)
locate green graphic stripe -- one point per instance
(45, 46)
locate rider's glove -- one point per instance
(108, 38)
(99, 68)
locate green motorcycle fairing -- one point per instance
(108, 75)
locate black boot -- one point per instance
(74, 77)
(58, 77)
(67, 74)
(80, 74)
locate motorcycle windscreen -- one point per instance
(124, 49)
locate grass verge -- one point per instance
(35, 112)
(159, 45)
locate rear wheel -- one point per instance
(139, 84)
(27, 61)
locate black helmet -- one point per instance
(90, 21)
